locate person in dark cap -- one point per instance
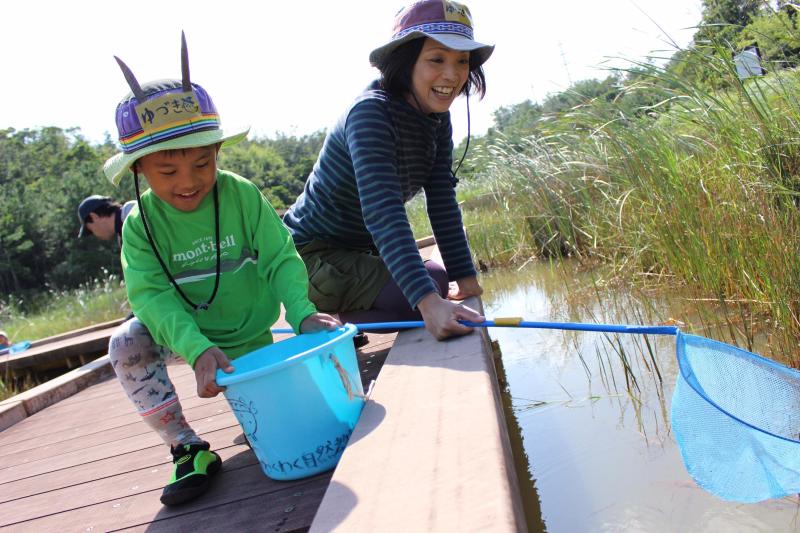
(102, 217)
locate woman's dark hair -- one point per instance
(396, 69)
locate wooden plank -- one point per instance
(65, 414)
(430, 452)
(287, 511)
(104, 432)
(11, 413)
(115, 486)
(142, 458)
(178, 370)
(273, 502)
(111, 324)
(55, 390)
(88, 344)
(39, 461)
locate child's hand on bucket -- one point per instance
(318, 322)
(205, 371)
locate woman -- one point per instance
(350, 224)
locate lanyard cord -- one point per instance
(466, 148)
(196, 307)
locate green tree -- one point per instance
(723, 20)
(777, 37)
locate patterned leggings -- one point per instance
(140, 365)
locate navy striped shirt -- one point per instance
(379, 155)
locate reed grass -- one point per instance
(57, 311)
(699, 192)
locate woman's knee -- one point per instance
(439, 275)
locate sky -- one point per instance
(294, 66)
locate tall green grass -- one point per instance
(58, 311)
(700, 192)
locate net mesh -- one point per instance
(736, 417)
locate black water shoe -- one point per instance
(360, 339)
(193, 467)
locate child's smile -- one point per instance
(182, 178)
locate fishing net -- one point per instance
(736, 417)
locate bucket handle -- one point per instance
(345, 377)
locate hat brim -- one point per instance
(479, 51)
(119, 164)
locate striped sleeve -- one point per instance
(443, 210)
(370, 138)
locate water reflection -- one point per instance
(593, 412)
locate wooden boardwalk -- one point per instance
(430, 453)
(88, 463)
(67, 350)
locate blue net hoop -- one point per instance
(736, 418)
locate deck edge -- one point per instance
(25, 404)
(349, 485)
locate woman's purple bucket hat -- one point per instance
(447, 22)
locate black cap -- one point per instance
(89, 205)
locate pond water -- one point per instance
(597, 451)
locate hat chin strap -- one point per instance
(466, 148)
(202, 306)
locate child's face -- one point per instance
(182, 178)
(438, 77)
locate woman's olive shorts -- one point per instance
(340, 279)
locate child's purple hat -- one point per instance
(445, 21)
(165, 115)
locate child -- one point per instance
(102, 217)
(4, 342)
(350, 224)
(207, 263)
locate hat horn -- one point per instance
(131, 79)
(185, 81)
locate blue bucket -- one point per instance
(298, 401)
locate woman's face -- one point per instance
(438, 77)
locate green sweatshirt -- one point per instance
(260, 269)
